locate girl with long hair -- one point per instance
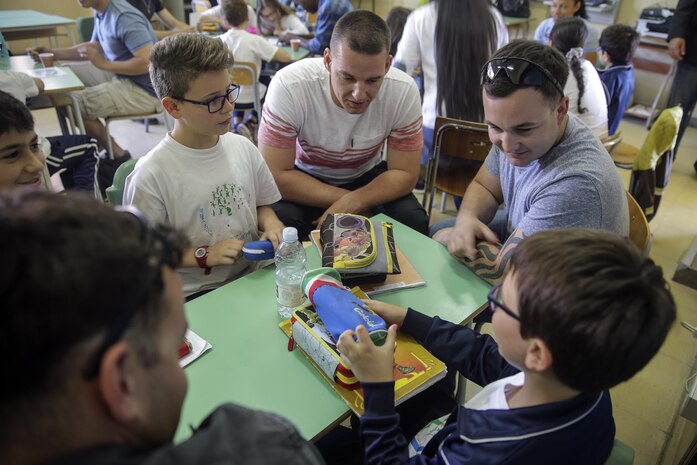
(451, 40)
(586, 93)
(274, 18)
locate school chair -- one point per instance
(653, 162)
(467, 144)
(610, 142)
(114, 193)
(639, 231)
(245, 74)
(621, 454)
(85, 26)
(660, 139)
(146, 116)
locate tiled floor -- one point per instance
(646, 407)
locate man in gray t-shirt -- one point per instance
(546, 167)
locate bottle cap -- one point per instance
(290, 235)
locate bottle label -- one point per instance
(289, 295)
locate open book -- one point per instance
(415, 368)
(408, 277)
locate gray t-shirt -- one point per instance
(574, 185)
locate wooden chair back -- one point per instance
(467, 144)
(244, 73)
(639, 231)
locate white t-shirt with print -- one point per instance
(209, 194)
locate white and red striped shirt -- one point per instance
(330, 143)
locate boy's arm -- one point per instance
(281, 56)
(476, 356)
(270, 225)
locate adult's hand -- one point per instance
(34, 51)
(676, 48)
(462, 239)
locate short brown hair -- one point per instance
(601, 307)
(235, 12)
(177, 60)
(363, 31)
(544, 56)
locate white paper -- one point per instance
(198, 347)
(46, 72)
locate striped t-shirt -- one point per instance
(330, 143)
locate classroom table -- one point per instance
(55, 85)
(23, 24)
(250, 364)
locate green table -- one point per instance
(19, 21)
(55, 86)
(250, 364)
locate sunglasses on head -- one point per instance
(520, 71)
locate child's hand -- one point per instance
(225, 252)
(392, 314)
(370, 363)
(275, 235)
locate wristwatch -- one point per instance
(201, 256)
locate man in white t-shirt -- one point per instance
(325, 123)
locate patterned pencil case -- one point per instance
(362, 251)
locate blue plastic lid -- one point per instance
(258, 250)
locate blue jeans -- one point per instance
(498, 224)
(684, 92)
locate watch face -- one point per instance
(200, 252)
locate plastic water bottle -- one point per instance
(290, 268)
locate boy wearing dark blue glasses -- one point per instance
(578, 312)
(546, 167)
(212, 184)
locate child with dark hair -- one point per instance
(577, 312)
(584, 89)
(22, 151)
(618, 43)
(563, 9)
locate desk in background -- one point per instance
(56, 87)
(518, 28)
(31, 24)
(250, 363)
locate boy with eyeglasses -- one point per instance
(577, 312)
(212, 184)
(546, 168)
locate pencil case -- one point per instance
(362, 251)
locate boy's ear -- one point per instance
(172, 106)
(538, 357)
(118, 383)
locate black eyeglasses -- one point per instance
(520, 71)
(159, 255)
(216, 103)
(495, 302)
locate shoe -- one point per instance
(245, 132)
(420, 186)
(695, 166)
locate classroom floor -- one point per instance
(646, 407)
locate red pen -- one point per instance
(185, 348)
